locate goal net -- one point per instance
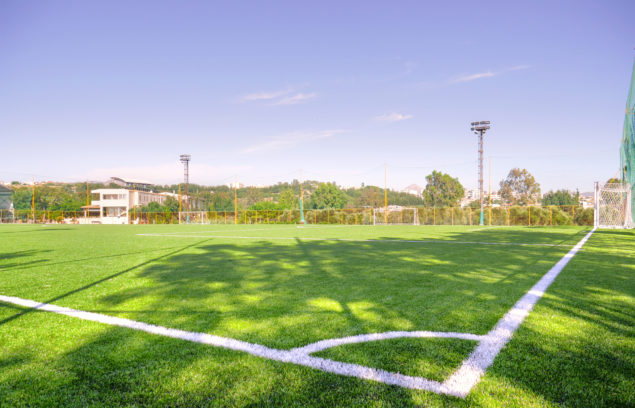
(193, 217)
(613, 203)
(395, 215)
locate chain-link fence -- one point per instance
(503, 216)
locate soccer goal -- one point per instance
(193, 217)
(395, 215)
(613, 205)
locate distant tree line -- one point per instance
(442, 190)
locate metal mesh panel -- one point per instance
(396, 216)
(613, 206)
(627, 147)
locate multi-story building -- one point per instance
(115, 204)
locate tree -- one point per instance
(328, 195)
(265, 205)
(287, 199)
(560, 197)
(171, 204)
(371, 197)
(442, 190)
(253, 195)
(520, 187)
(222, 201)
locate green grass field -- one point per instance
(284, 287)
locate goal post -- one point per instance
(193, 217)
(613, 205)
(396, 215)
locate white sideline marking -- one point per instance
(458, 384)
(473, 368)
(414, 241)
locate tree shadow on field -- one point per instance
(576, 348)
(15, 256)
(97, 282)
(35, 229)
(289, 294)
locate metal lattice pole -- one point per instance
(480, 128)
(185, 159)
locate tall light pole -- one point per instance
(480, 128)
(185, 159)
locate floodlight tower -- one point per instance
(185, 159)
(480, 128)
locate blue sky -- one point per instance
(260, 90)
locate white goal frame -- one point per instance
(396, 216)
(193, 217)
(613, 205)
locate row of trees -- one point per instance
(442, 190)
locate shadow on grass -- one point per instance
(576, 349)
(311, 289)
(288, 294)
(6, 256)
(38, 228)
(97, 282)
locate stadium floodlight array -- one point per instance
(480, 128)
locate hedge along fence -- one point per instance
(516, 215)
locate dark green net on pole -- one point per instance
(627, 147)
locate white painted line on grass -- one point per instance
(458, 384)
(412, 241)
(362, 338)
(473, 368)
(295, 356)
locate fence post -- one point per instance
(550, 215)
(434, 216)
(452, 215)
(529, 215)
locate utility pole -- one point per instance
(385, 196)
(490, 190)
(33, 200)
(301, 201)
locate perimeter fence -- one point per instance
(500, 216)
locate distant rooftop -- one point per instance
(130, 183)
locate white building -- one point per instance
(116, 204)
(413, 189)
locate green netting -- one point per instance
(627, 148)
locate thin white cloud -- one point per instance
(290, 140)
(167, 173)
(280, 97)
(472, 77)
(487, 74)
(260, 96)
(392, 117)
(295, 99)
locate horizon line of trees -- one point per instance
(442, 190)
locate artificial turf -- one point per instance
(285, 287)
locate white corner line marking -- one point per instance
(473, 368)
(458, 384)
